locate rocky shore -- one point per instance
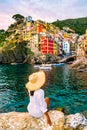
(80, 64)
(23, 121)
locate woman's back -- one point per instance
(37, 104)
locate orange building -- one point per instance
(39, 29)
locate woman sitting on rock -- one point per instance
(37, 106)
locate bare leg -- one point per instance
(47, 100)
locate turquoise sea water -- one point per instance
(66, 88)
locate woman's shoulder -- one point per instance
(40, 91)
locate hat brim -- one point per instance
(39, 83)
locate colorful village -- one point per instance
(47, 39)
(43, 39)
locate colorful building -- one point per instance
(39, 29)
(47, 45)
(29, 19)
(66, 47)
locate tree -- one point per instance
(2, 36)
(2, 31)
(18, 18)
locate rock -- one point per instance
(85, 128)
(85, 113)
(23, 121)
(17, 53)
(75, 121)
(80, 64)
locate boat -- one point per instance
(45, 66)
(36, 66)
(14, 63)
(58, 64)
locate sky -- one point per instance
(46, 10)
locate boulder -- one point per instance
(75, 121)
(80, 64)
(23, 121)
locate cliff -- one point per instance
(15, 53)
(23, 121)
(80, 64)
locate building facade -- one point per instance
(66, 47)
(48, 46)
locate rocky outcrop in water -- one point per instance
(23, 121)
(80, 64)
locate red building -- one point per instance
(47, 45)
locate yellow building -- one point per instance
(27, 36)
(55, 48)
(28, 24)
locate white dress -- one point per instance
(37, 105)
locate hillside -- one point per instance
(13, 49)
(79, 24)
(19, 42)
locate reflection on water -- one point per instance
(66, 88)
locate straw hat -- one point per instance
(36, 80)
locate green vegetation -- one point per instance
(18, 18)
(2, 37)
(79, 24)
(12, 46)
